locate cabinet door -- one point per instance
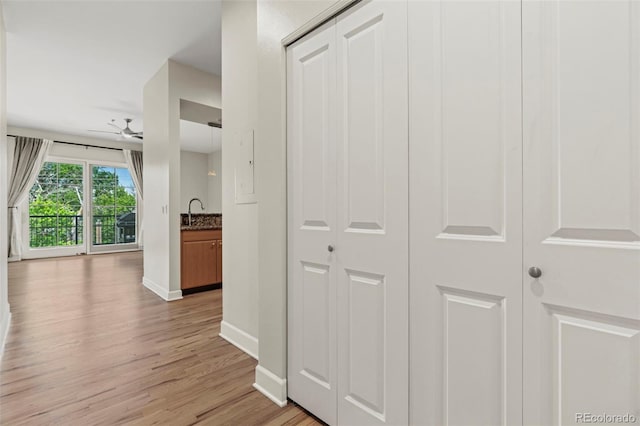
(581, 61)
(466, 212)
(371, 248)
(199, 263)
(312, 211)
(218, 261)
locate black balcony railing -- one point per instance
(53, 231)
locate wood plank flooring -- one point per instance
(89, 345)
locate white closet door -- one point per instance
(466, 212)
(582, 209)
(372, 242)
(312, 223)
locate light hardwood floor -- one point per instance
(89, 345)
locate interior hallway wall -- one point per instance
(239, 221)
(161, 105)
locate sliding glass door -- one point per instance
(113, 208)
(56, 201)
(80, 207)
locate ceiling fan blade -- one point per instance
(103, 131)
(113, 125)
(138, 137)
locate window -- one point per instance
(81, 202)
(56, 206)
(113, 206)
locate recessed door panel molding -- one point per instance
(581, 98)
(313, 125)
(315, 323)
(465, 212)
(311, 76)
(474, 391)
(590, 105)
(471, 107)
(367, 312)
(362, 97)
(611, 340)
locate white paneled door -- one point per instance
(348, 217)
(312, 222)
(581, 67)
(372, 198)
(466, 212)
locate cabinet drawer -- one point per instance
(209, 234)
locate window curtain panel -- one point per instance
(28, 157)
(134, 161)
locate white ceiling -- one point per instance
(75, 65)
(198, 137)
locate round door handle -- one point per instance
(535, 272)
(330, 248)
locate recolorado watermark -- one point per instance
(605, 418)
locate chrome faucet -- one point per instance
(191, 201)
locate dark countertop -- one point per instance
(200, 228)
(201, 222)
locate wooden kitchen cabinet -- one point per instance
(219, 261)
(201, 258)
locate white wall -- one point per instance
(240, 232)
(161, 111)
(5, 311)
(215, 182)
(194, 182)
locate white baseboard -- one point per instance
(5, 323)
(167, 295)
(271, 386)
(239, 338)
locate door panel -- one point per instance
(590, 90)
(465, 212)
(366, 381)
(315, 323)
(372, 229)
(312, 211)
(581, 209)
(487, 342)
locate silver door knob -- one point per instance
(535, 272)
(330, 248)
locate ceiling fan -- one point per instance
(126, 133)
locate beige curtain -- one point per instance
(134, 161)
(28, 157)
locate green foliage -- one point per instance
(56, 205)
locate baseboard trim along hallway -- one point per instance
(169, 296)
(271, 386)
(239, 338)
